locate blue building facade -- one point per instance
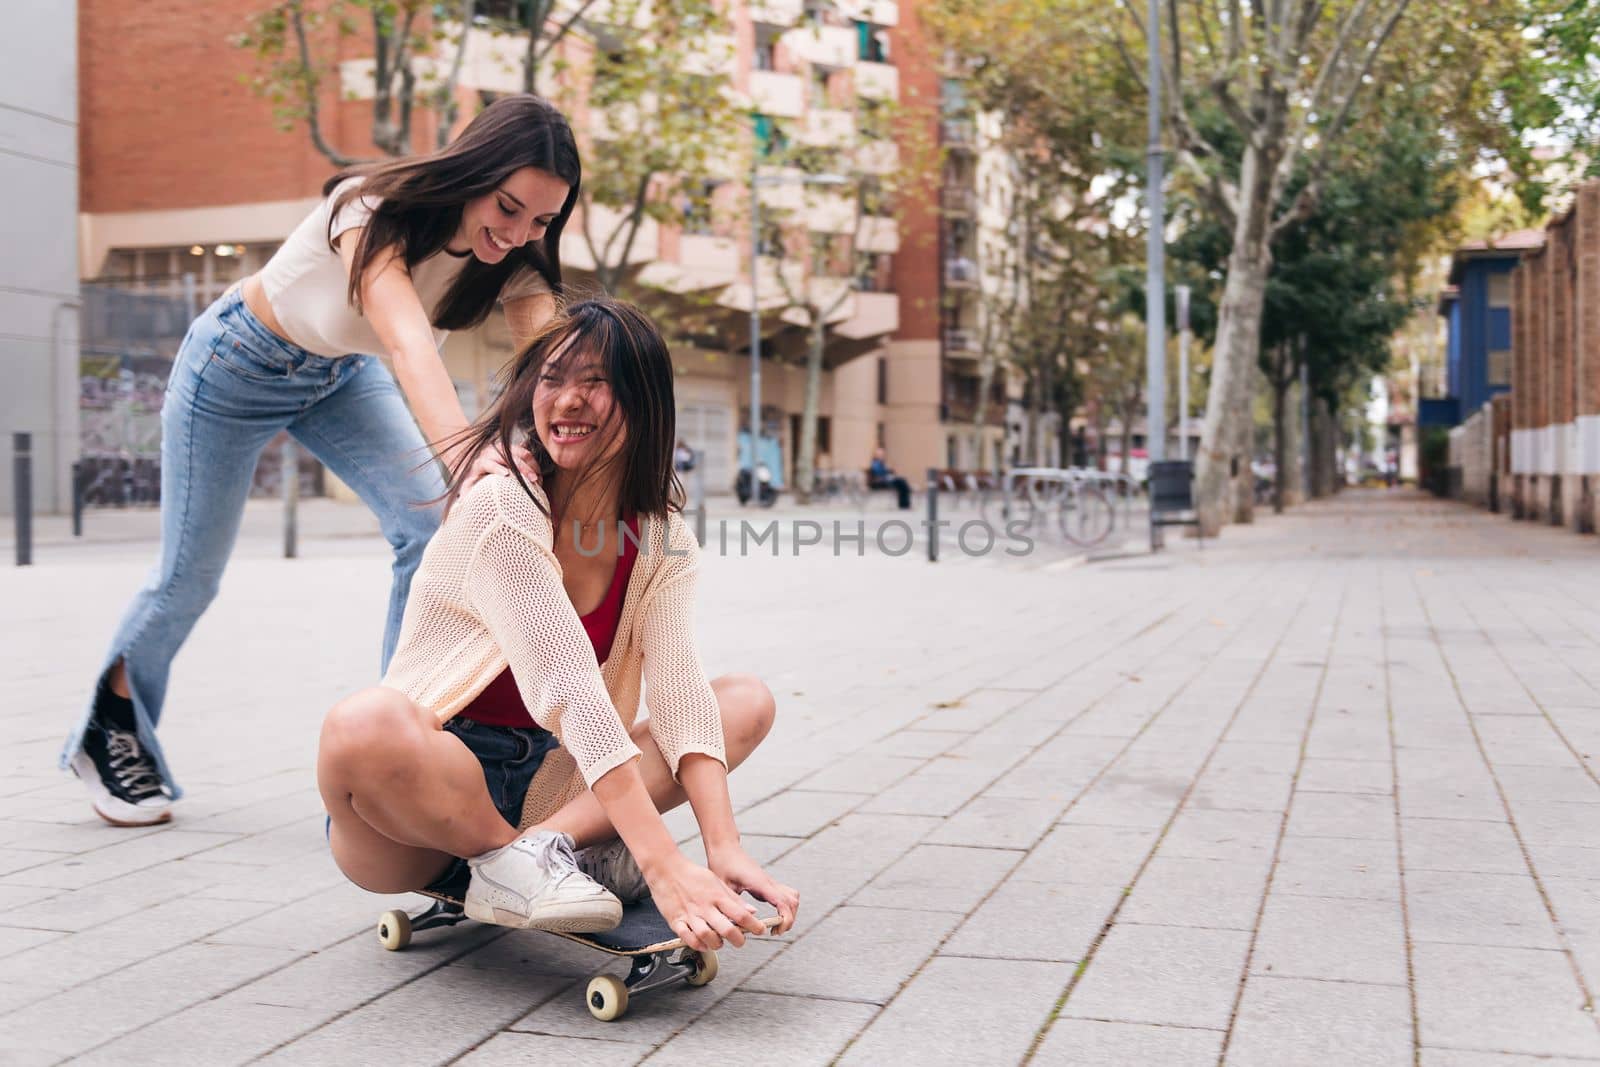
(1477, 313)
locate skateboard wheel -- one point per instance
(705, 968)
(394, 930)
(608, 997)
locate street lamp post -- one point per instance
(757, 179)
(1155, 300)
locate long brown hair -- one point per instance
(639, 369)
(422, 200)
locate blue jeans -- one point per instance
(234, 386)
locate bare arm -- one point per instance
(390, 302)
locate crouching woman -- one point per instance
(504, 735)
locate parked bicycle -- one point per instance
(1067, 499)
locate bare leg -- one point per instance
(747, 713)
(119, 681)
(404, 796)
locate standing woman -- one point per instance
(397, 255)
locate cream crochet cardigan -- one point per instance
(488, 594)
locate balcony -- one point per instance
(703, 250)
(878, 234)
(877, 81)
(829, 212)
(823, 46)
(827, 128)
(711, 56)
(961, 134)
(784, 13)
(871, 315)
(959, 200)
(630, 119)
(961, 343)
(877, 12)
(780, 95)
(877, 156)
(960, 273)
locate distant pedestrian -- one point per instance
(397, 254)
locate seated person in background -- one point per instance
(882, 476)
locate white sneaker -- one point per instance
(613, 866)
(534, 884)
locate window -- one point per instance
(770, 138)
(1500, 366)
(880, 436)
(883, 380)
(697, 208)
(1500, 289)
(212, 268)
(872, 43)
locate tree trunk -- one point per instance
(1294, 480)
(1280, 450)
(1321, 445)
(805, 462)
(1224, 454)
(1127, 435)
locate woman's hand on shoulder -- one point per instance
(492, 461)
(700, 907)
(744, 875)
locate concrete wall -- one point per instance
(38, 258)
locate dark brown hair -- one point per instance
(639, 369)
(422, 199)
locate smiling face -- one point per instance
(575, 412)
(516, 213)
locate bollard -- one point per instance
(700, 497)
(933, 515)
(291, 499)
(77, 499)
(22, 494)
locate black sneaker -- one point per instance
(124, 786)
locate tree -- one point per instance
(1282, 82)
(1338, 287)
(297, 46)
(663, 127)
(1040, 83)
(820, 243)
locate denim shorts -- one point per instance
(510, 757)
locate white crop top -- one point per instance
(306, 284)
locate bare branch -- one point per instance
(1127, 58)
(1325, 78)
(1349, 91)
(447, 92)
(309, 85)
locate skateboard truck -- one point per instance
(606, 995)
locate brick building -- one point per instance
(188, 185)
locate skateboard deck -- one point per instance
(659, 957)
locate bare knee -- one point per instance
(373, 729)
(748, 709)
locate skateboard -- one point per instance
(658, 956)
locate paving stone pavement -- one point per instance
(1324, 792)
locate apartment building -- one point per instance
(188, 185)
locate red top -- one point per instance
(501, 705)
